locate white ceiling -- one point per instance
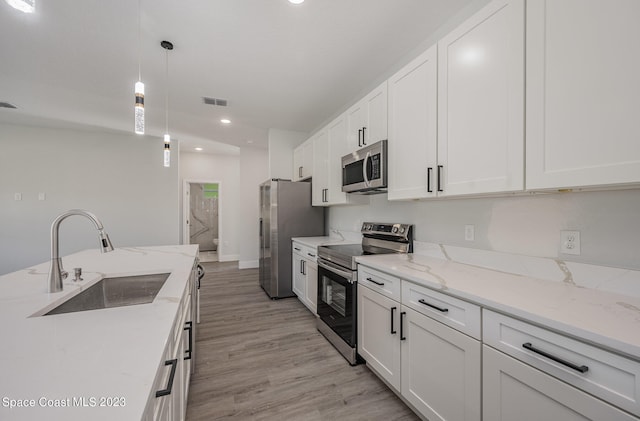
(279, 65)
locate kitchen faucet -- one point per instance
(56, 272)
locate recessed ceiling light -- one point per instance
(296, 1)
(225, 121)
(198, 149)
(26, 6)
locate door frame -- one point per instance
(186, 211)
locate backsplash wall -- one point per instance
(608, 221)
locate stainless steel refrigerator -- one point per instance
(285, 212)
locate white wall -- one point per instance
(224, 169)
(118, 176)
(608, 221)
(254, 169)
(281, 146)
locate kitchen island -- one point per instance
(102, 364)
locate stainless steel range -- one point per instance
(337, 281)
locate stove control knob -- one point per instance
(394, 230)
(402, 230)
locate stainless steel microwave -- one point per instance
(365, 171)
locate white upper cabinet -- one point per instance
(583, 85)
(320, 182)
(303, 161)
(412, 145)
(367, 120)
(481, 103)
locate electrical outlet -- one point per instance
(42, 196)
(570, 242)
(470, 232)
(17, 196)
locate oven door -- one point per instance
(337, 300)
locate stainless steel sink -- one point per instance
(114, 292)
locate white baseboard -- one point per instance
(228, 258)
(248, 264)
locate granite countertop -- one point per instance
(609, 320)
(68, 359)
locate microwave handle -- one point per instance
(364, 169)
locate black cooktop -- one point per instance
(345, 254)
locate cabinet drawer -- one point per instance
(381, 282)
(453, 312)
(613, 378)
(306, 252)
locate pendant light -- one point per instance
(25, 6)
(139, 86)
(167, 139)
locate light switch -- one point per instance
(42, 196)
(17, 196)
(470, 232)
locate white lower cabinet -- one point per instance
(378, 338)
(169, 394)
(514, 391)
(440, 369)
(304, 275)
(434, 367)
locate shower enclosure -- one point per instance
(203, 215)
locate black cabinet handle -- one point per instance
(393, 310)
(300, 172)
(580, 368)
(363, 141)
(359, 138)
(444, 310)
(167, 391)
(402, 314)
(189, 327)
(296, 249)
(375, 282)
(439, 177)
(429, 170)
(304, 267)
(311, 255)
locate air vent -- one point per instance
(214, 101)
(7, 105)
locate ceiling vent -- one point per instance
(214, 101)
(7, 105)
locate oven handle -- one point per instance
(336, 269)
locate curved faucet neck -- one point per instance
(55, 227)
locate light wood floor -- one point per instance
(260, 359)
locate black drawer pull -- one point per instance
(375, 282)
(167, 391)
(296, 248)
(402, 314)
(393, 310)
(444, 310)
(580, 368)
(429, 170)
(439, 177)
(311, 255)
(189, 327)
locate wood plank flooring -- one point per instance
(263, 359)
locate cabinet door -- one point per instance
(413, 126)
(356, 120)
(582, 113)
(298, 277)
(307, 159)
(337, 133)
(378, 334)
(320, 168)
(376, 122)
(481, 102)
(312, 286)
(440, 369)
(513, 391)
(298, 156)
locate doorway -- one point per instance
(202, 214)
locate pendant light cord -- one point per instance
(167, 93)
(139, 40)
